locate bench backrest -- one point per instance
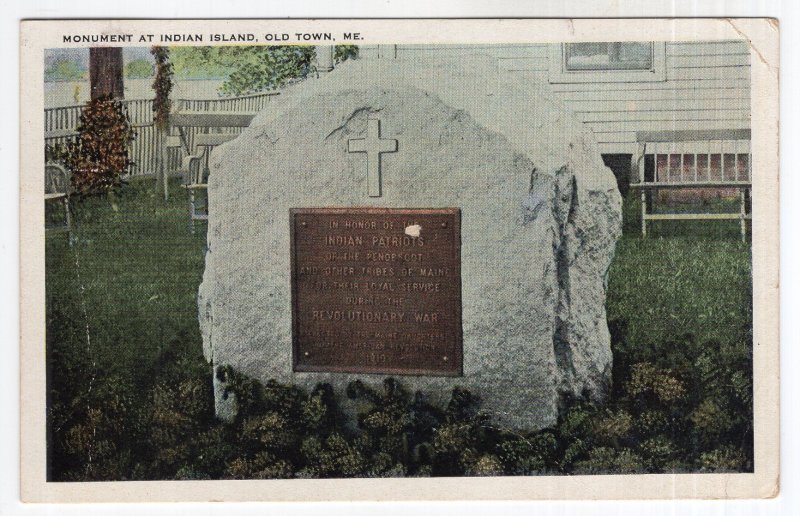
(56, 179)
(209, 119)
(202, 140)
(204, 129)
(714, 158)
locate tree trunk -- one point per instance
(324, 58)
(105, 72)
(162, 181)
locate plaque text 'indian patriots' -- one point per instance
(376, 290)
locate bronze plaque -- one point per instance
(376, 290)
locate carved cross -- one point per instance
(373, 146)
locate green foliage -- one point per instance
(139, 69)
(603, 460)
(664, 420)
(726, 459)
(268, 68)
(344, 52)
(282, 432)
(528, 455)
(246, 69)
(64, 69)
(99, 157)
(204, 62)
(251, 69)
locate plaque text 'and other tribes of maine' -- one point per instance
(377, 290)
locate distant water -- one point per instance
(70, 93)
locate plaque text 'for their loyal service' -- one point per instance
(377, 290)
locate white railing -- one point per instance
(60, 124)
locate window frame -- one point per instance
(560, 75)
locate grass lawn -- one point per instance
(121, 303)
(686, 277)
(130, 277)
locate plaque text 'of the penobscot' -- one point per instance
(376, 290)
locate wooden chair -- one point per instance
(684, 160)
(198, 146)
(57, 180)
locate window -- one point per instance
(614, 61)
(608, 56)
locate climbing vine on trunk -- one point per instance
(162, 85)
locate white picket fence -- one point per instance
(60, 124)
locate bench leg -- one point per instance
(644, 213)
(166, 187)
(191, 211)
(743, 213)
(68, 217)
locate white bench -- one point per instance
(692, 160)
(57, 188)
(194, 165)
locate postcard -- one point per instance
(319, 260)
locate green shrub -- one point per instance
(534, 454)
(725, 459)
(100, 156)
(658, 452)
(262, 465)
(695, 417)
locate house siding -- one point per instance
(707, 87)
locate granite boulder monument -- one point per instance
(431, 221)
